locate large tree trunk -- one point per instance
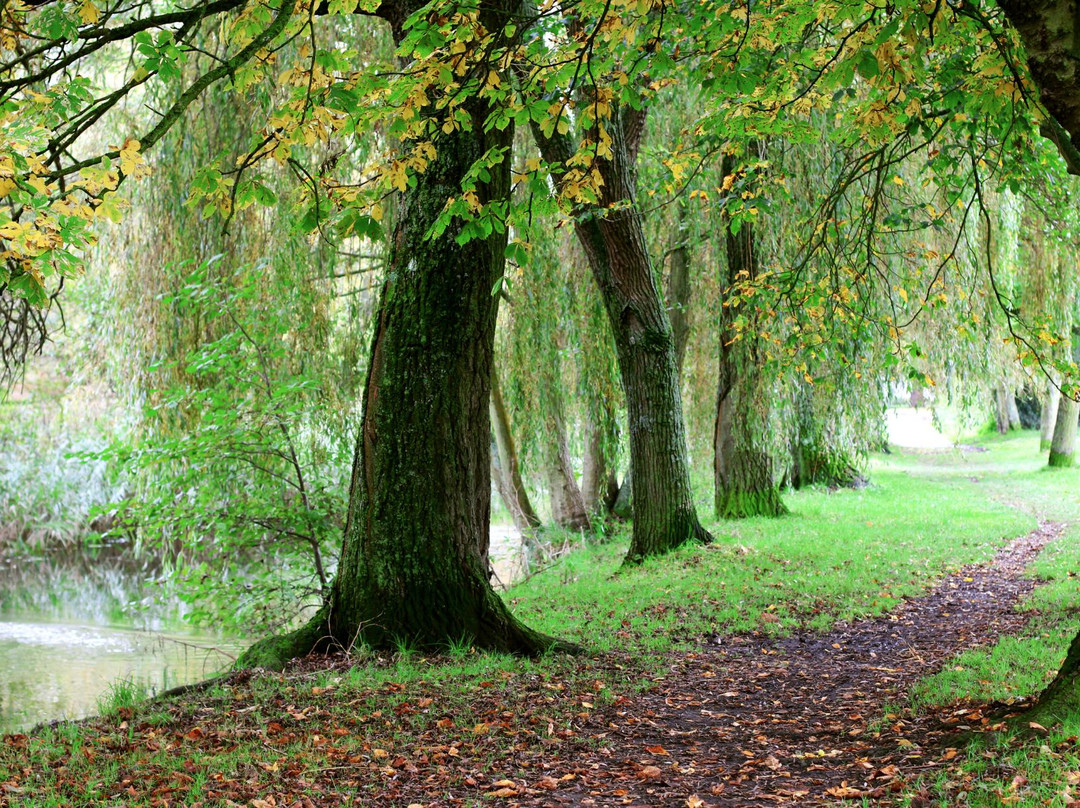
(1048, 29)
(613, 237)
(1012, 411)
(1063, 444)
(1049, 33)
(509, 483)
(742, 469)
(413, 564)
(567, 505)
(815, 460)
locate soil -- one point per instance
(749, 720)
(753, 720)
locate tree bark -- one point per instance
(1048, 418)
(1001, 411)
(599, 487)
(613, 237)
(509, 482)
(1050, 36)
(413, 564)
(742, 470)
(678, 287)
(1012, 412)
(1048, 29)
(1063, 444)
(567, 505)
(814, 461)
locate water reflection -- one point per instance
(51, 670)
(74, 623)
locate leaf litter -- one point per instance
(751, 719)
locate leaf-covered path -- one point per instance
(759, 721)
(748, 720)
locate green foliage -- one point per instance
(242, 461)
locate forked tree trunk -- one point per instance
(412, 566)
(509, 482)
(742, 469)
(613, 237)
(567, 505)
(1048, 418)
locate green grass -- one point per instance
(836, 556)
(473, 715)
(1014, 767)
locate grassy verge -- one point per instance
(1020, 766)
(403, 729)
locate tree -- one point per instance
(610, 227)
(413, 562)
(743, 472)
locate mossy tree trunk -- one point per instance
(508, 480)
(742, 468)
(599, 485)
(613, 237)
(1048, 417)
(1001, 410)
(815, 459)
(1063, 443)
(413, 564)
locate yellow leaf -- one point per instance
(10, 230)
(89, 13)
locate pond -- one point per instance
(75, 624)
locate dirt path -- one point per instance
(758, 721)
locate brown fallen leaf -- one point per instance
(657, 750)
(503, 792)
(694, 801)
(844, 791)
(649, 772)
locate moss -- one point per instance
(1061, 460)
(741, 504)
(275, 651)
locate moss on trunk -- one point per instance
(413, 565)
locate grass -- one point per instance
(477, 717)
(1014, 767)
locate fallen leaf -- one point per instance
(649, 772)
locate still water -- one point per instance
(51, 670)
(76, 623)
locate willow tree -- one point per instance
(743, 471)
(413, 560)
(596, 174)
